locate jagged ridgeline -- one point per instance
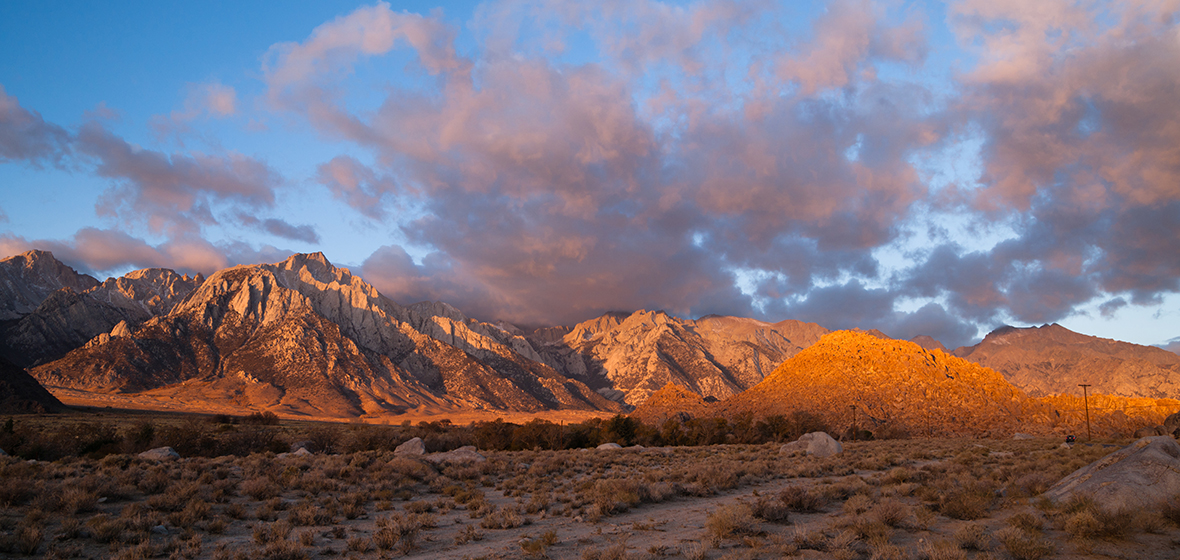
(304, 337)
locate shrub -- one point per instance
(799, 499)
(1082, 525)
(941, 550)
(771, 509)
(890, 512)
(730, 521)
(971, 536)
(502, 518)
(1022, 545)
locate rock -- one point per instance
(301, 452)
(412, 447)
(1172, 423)
(465, 454)
(1065, 446)
(1021, 436)
(793, 447)
(1139, 476)
(160, 530)
(636, 447)
(822, 445)
(610, 446)
(819, 444)
(301, 445)
(160, 454)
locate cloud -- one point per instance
(104, 251)
(173, 193)
(26, 136)
(208, 100)
(281, 228)
(357, 185)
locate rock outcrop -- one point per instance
(1140, 476)
(160, 454)
(303, 337)
(413, 447)
(1053, 360)
(21, 394)
(639, 353)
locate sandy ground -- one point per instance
(162, 401)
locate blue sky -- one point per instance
(917, 167)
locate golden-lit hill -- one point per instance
(893, 384)
(898, 387)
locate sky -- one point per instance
(916, 167)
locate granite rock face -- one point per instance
(637, 354)
(1140, 476)
(304, 337)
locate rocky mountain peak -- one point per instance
(1053, 360)
(28, 278)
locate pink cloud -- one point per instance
(26, 136)
(173, 192)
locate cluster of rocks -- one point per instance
(1170, 427)
(416, 448)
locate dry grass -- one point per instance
(874, 502)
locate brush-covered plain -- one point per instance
(892, 499)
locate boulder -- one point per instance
(1144, 432)
(822, 445)
(160, 454)
(1021, 436)
(610, 446)
(412, 447)
(465, 454)
(1172, 423)
(1139, 476)
(301, 445)
(819, 444)
(301, 452)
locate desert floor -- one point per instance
(936, 499)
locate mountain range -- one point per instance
(302, 337)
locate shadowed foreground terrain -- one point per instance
(899, 499)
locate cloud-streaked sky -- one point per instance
(917, 167)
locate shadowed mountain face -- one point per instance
(1053, 360)
(21, 394)
(28, 278)
(630, 356)
(304, 337)
(66, 319)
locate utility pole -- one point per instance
(1086, 399)
(855, 432)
